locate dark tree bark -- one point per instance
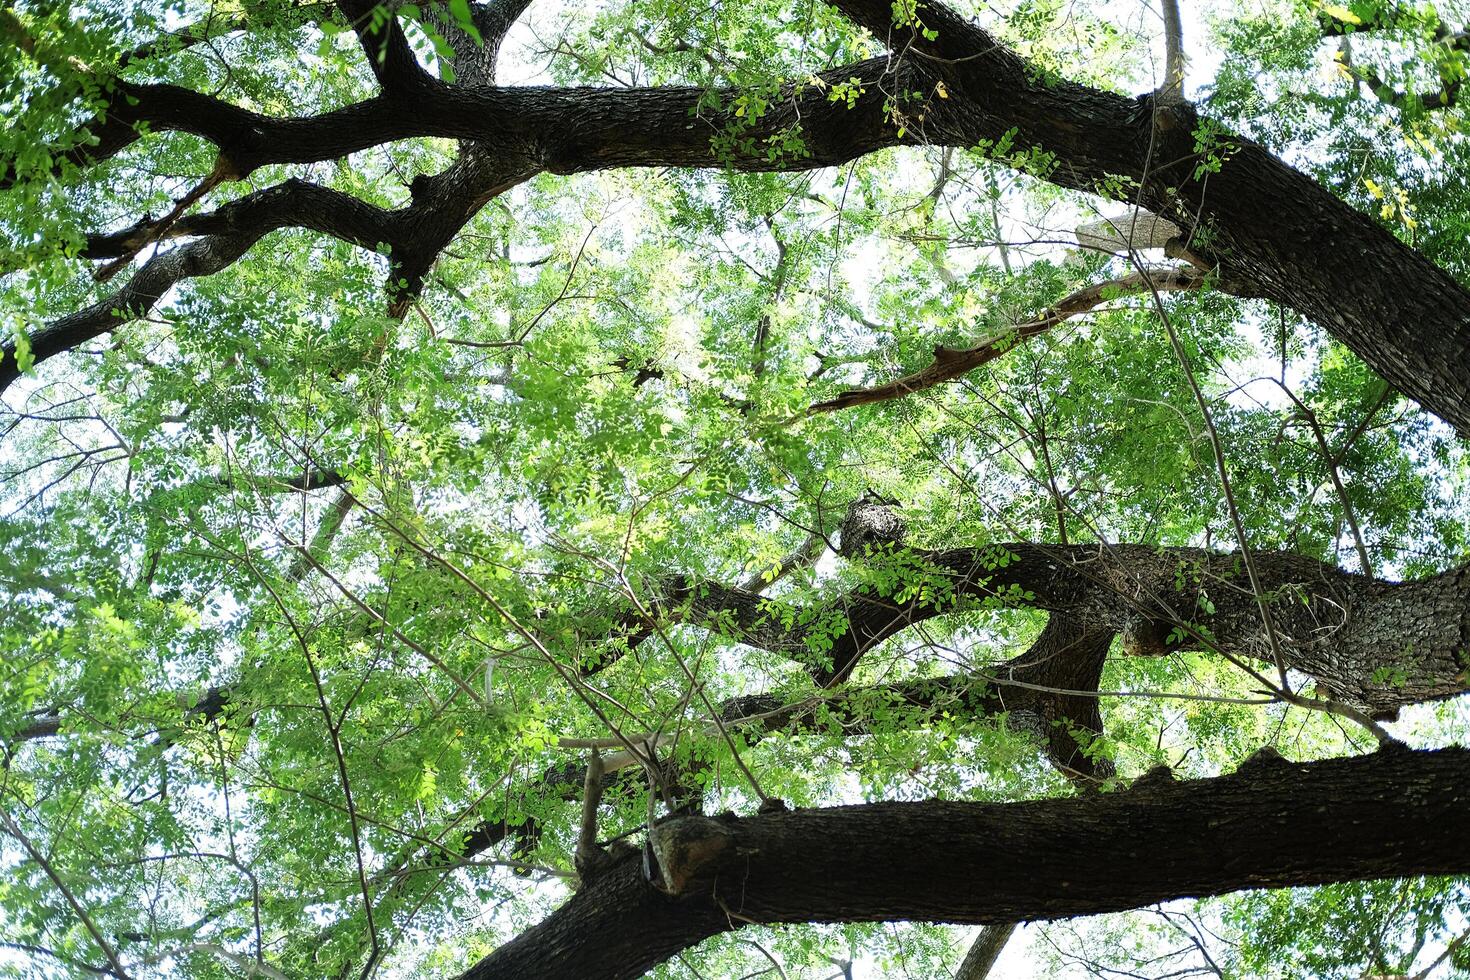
(1375, 645)
(1269, 229)
(1266, 229)
(1272, 824)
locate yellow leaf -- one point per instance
(940, 90)
(1341, 13)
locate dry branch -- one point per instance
(955, 362)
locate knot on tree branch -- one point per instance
(871, 522)
(1144, 637)
(1264, 759)
(688, 850)
(1157, 778)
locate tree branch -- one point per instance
(980, 960)
(1371, 644)
(24, 840)
(386, 47)
(1270, 227)
(223, 236)
(1270, 825)
(1172, 90)
(955, 362)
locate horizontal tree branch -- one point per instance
(1375, 645)
(567, 130)
(293, 203)
(1272, 824)
(1270, 228)
(217, 241)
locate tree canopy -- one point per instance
(726, 490)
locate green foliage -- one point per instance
(577, 410)
(1370, 927)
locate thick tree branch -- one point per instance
(45, 726)
(1390, 17)
(1051, 688)
(414, 235)
(223, 237)
(1273, 824)
(386, 47)
(1375, 645)
(588, 856)
(293, 203)
(308, 480)
(1264, 225)
(568, 130)
(475, 58)
(201, 257)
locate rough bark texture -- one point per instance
(980, 960)
(1373, 644)
(1272, 824)
(1267, 227)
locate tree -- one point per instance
(491, 442)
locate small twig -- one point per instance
(775, 963)
(1332, 473)
(222, 172)
(334, 739)
(397, 634)
(1218, 451)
